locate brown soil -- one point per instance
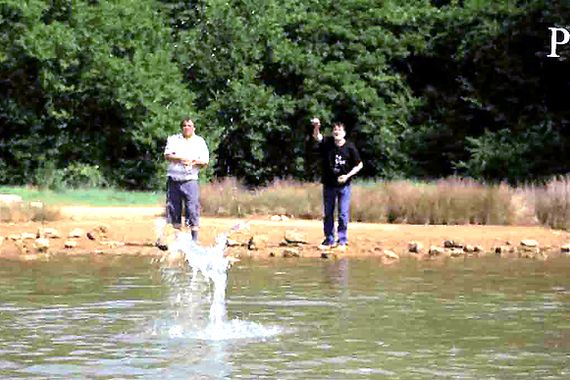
(132, 231)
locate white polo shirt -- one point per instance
(194, 148)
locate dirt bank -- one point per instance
(131, 230)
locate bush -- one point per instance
(227, 197)
(48, 176)
(78, 175)
(552, 202)
(25, 212)
(75, 175)
(448, 201)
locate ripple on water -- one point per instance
(232, 330)
(366, 371)
(284, 303)
(378, 326)
(6, 365)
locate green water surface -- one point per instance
(113, 317)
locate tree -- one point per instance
(90, 83)
(492, 108)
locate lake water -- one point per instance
(128, 318)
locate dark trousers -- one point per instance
(331, 196)
(179, 194)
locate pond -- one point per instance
(127, 317)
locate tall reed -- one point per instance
(552, 202)
(25, 212)
(227, 197)
(446, 201)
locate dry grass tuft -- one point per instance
(18, 212)
(447, 201)
(552, 202)
(228, 198)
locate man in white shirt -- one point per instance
(186, 153)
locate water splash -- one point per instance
(212, 265)
(159, 225)
(209, 272)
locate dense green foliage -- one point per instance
(89, 90)
(90, 84)
(493, 102)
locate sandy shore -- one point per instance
(131, 230)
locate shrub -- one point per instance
(75, 175)
(48, 176)
(552, 202)
(79, 175)
(24, 212)
(447, 201)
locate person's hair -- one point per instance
(339, 125)
(185, 120)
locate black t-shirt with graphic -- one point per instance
(337, 160)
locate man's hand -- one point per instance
(345, 177)
(198, 163)
(175, 158)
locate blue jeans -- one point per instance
(332, 194)
(180, 193)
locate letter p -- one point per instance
(554, 42)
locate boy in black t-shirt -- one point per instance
(340, 161)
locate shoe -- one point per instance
(160, 245)
(325, 245)
(341, 248)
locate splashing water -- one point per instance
(159, 224)
(210, 264)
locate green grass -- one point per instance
(88, 197)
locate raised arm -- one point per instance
(317, 129)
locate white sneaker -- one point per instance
(341, 248)
(325, 247)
